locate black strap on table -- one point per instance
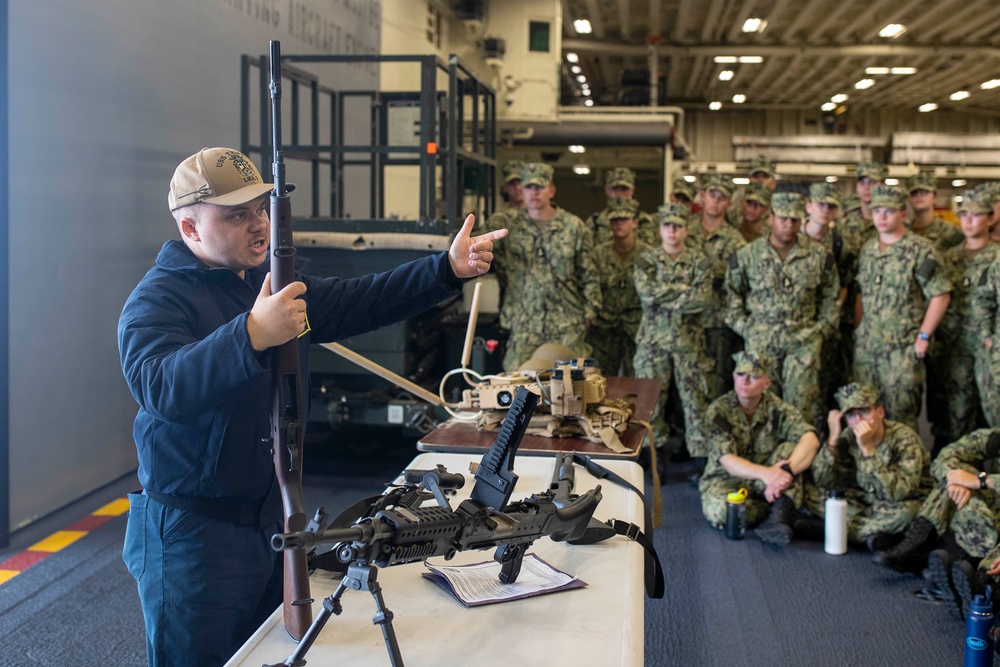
(652, 566)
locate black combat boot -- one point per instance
(777, 528)
(809, 527)
(910, 554)
(967, 585)
(940, 566)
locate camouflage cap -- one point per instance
(977, 201)
(760, 164)
(619, 176)
(825, 193)
(759, 193)
(889, 196)
(921, 181)
(873, 170)
(788, 205)
(991, 188)
(622, 208)
(512, 170)
(536, 173)
(723, 184)
(682, 187)
(672, 214)
(851, 202)
(756, 365)
(857, 396)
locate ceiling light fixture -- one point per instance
(741, 180)
(902, 70)
(891, 181)
(959, 95)
(958, 183)
(754, 25)
(930, 106)
(839, 98)
(582, 26)
(588, 103)
(892, 30)
(715, 106)
(831, 179)
(576, 69)
(990, 85)
(572, 57)
(751, 60)
(726, 59)
(739, 98)
(581, 78)
(586, 92)
(828, 106)
(864, 84)
(876, 70)
(581, 169)
(690, 179)
(577, 148)
(726, 75)
(958, 198)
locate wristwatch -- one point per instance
(923, 335)
(982, 480)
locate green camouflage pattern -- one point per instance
(549, 282)
(673, 214)
(682, 187)
(757, 365)
(977, 201)
(736, 220)
(873, 170)
(896, 286)
(612, 335)
(888, 196)
(622, 208)
(536, 173)
(720, 182)
(645, 231)
(619, 176)
(766, 437)
(670, 344)
(784, 309)
(856, 396)
(884, 492)
(851, 202)
(760, 164)
(986, 318)
(759, 193)
(788, 205)
(826, 193)
(511, 170)
(718, 246)
(923, 180)
(862, 229)
(941, 233)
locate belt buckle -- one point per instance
(632, 532)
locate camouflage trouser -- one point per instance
(955, 382)
(614, 349)
(715, 488)
(688, 372)
(988, 382)
(795, 375)
(974, 526)
(988, 559)
(898, 375)
(522, 343)
(720, 346)
(864, 518)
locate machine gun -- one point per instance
(397, 530)
(287, 427)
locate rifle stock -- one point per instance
(287, 427)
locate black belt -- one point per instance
(240, 511)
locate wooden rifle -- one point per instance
(287, 422)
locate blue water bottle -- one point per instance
(979, 632)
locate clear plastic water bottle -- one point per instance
(835, 525)
(736, 514)
(979, 632)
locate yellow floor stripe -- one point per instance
(7, 575)
(57, 541)
(114, 508)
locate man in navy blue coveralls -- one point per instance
(195, 338)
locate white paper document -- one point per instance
(479, 583)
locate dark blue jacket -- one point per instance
(204, 394)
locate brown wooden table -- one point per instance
(459, 437)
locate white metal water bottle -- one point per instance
(836, 523)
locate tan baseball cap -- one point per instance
(222, 176)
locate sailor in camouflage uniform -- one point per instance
(960, 338)
(760, 174)
(551, 287)
(882, 466)
(903, 297)
(782, 299)
(682, 192)
(760, 443)
(718, 241)
(941, 233)
(674, 283)
(510, 190)
(751, 220)
(612, 336)
(619, 183)
(964, 500)
(986, 317)
(859, 221)
(823, 228)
